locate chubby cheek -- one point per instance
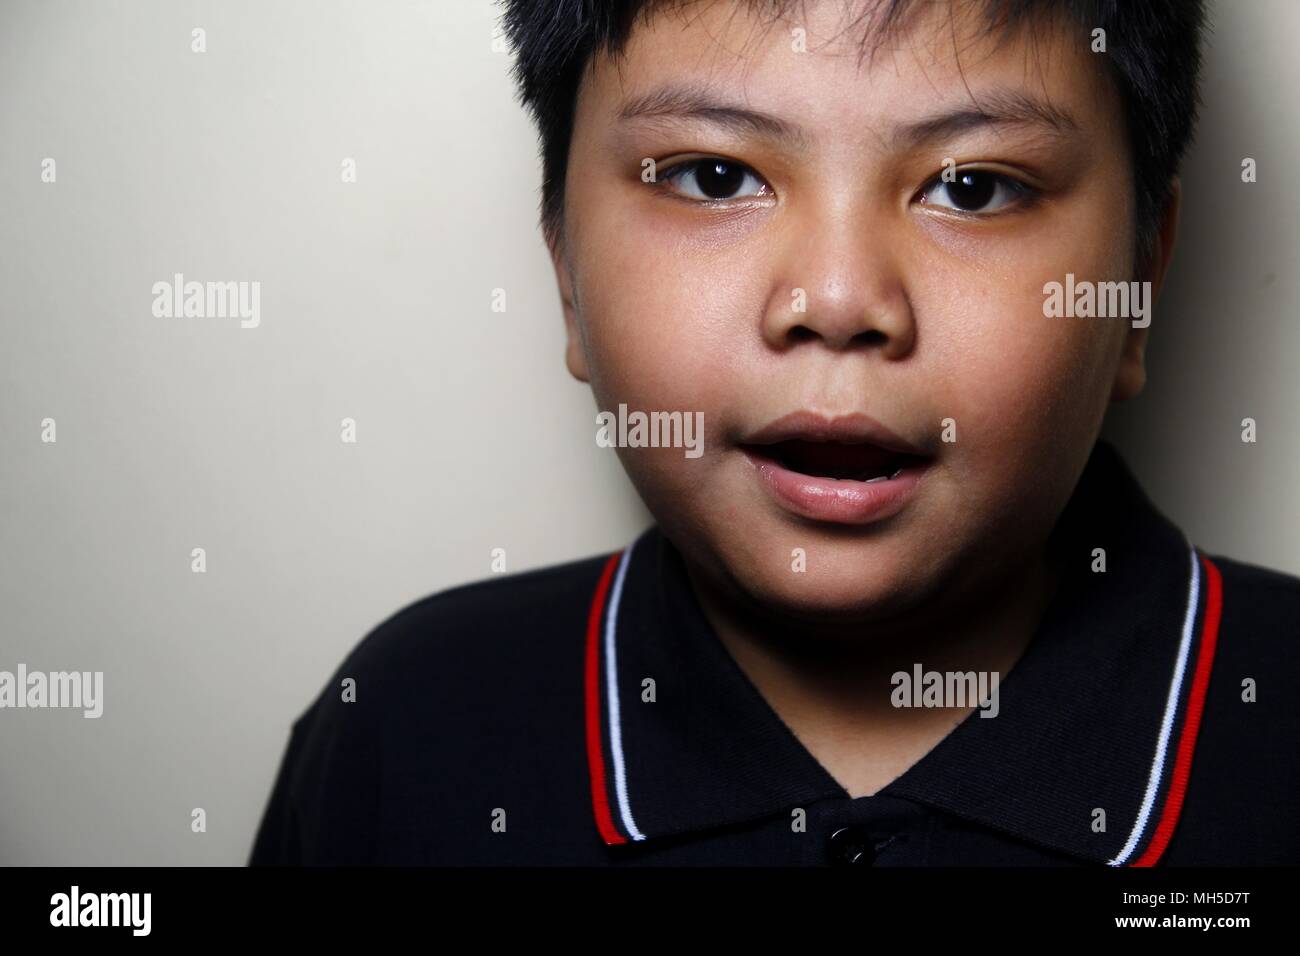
(1026, 392)
(661, 336)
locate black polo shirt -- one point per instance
(503, 723)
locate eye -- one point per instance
(714, 179)
(975, 191)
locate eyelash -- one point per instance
(677, 170)
(1022, 194)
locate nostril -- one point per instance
(871, 337)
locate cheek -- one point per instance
(1012, 376)
(1028, 394)
(661, 325)
(1016, 372)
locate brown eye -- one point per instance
(715, 179)
(975, 191)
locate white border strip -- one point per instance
(1171, 709)
(611, 695)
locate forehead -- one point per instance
(833, 69)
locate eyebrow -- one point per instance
(999, 108)
(699, 103)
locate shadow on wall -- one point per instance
(1223, 339)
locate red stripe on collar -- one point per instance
(1195, 705)
(595, 752)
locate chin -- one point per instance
(843, 588)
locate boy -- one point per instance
(901, 606)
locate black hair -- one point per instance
(1152, 49)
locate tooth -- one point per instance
(885, 477)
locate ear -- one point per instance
(1131, 376)
(574, 356)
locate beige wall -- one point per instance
(175, 434)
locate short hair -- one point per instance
(1152, 50)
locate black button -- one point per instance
(852, 845)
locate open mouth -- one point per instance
(841, 461)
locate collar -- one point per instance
(1101, 711)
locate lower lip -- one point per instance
(835, 501)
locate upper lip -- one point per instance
(852, 429)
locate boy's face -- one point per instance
(922, 301)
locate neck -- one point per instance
(831, 682)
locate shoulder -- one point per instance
(1258, 620)
(1256, 576)
(467, 629)
(1255, 662)
(1260, 606)
(450, 698)
(1244, 775)
(440, 648)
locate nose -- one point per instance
(840, 285)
